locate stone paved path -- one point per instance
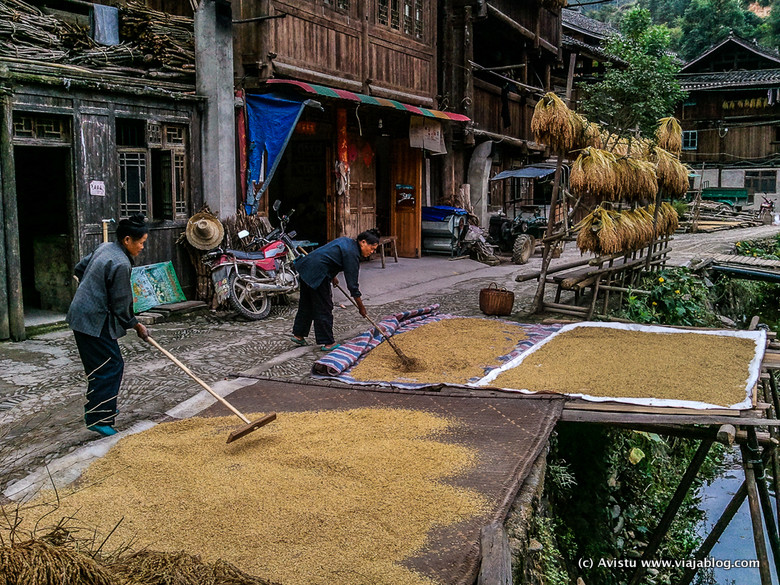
(42, 383)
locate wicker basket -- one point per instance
(496, 301)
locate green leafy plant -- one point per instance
(676, 297)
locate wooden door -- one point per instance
(406, 198)
(361, 210)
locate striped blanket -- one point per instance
(339, 362)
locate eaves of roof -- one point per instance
(752, 47)
(575, 20)
(757, 78)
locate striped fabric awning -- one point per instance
(331, 92)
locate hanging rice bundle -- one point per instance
(609, 232)
(671, 220)
(587, 241)
(590, 134)
(594, 172)
(669, 135)
(636, 179)
(672, 174)
(630, 230)
(554, 124)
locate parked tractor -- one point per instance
(519, 235)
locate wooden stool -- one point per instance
(385, 241)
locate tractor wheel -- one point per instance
(522, 249)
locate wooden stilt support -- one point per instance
(774, 433)
(763, 496)
(671, 509)
(717, 531)
(755, 516)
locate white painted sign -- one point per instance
(97, 188)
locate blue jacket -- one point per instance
(326, 262)
(104, 292)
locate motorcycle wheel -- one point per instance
(522, 249)
(254, 307)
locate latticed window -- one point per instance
(132, 183)
(406, 16)
(342, 4)
(153, 169)
(49, 128)
(418, 19)
(690, 139)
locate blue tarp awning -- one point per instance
(271, 120)
(524, 173)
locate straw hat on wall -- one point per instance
(204, 231)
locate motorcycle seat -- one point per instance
(247, 255)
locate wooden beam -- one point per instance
(11, 223)
(647, 418)
(5, 331)
(755, 517)
(672, 508)
(496, 567)
(527, 33)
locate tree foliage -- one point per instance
(706, 22)
(637, 95)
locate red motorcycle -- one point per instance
(249, 279)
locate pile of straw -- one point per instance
(669, 135)
(606, 231)
(38, 562)
(672, 174)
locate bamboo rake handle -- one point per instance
(187, 371)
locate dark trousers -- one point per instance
(315, 304)
(104, 367)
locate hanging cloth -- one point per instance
(271, 120)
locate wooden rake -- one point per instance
(237, 434)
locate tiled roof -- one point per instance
(596, 51)
(753, 47)
(575, 20)
(730, 79)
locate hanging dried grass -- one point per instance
(554, 124)
(594, 172)
(590, 134)
(605, 231)
(672, 174)
(587, 241)
(669, 135)
(635, 179)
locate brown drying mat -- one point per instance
(508, 433)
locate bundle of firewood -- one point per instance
(165, 40)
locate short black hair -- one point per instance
(369, 236)
(134, 226)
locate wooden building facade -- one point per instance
(352, 57)
(731, 118)
(497, 61)
(82, 148)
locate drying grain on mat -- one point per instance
(450, 350)
(316, 498)
(616, 363)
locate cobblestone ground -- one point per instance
(42, 382)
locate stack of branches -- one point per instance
(42, 562)
(257, 226)
(122, 55)
(607, 231)
(672, 174)
(28, 33)
(166, 41)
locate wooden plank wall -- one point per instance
(529, 15)
(488, 107)
(405, 221)
(95, 158)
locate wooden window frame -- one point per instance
(691, 138)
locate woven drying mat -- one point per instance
(508, 433)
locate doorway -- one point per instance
(43, 188)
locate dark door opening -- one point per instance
(301, 184)
(42, 191)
